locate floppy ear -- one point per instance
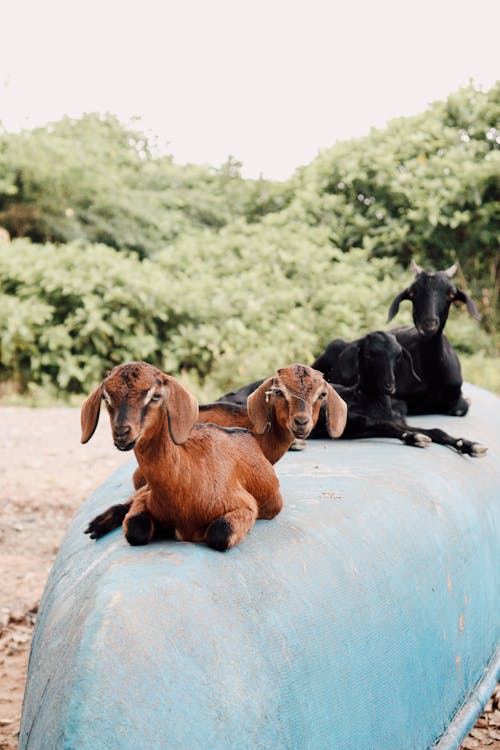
(182, 410)
(348, 361)
(336, 412)
(471, 305)
(407, 356)
(258, 407)
(89, 416)
(395, 304)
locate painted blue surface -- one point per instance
(361, 618)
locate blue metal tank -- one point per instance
(366, 616)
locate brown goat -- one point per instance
(204, 482)
(285, 407)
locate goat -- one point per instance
(204, 482)
(371, 409)
(282, 409)
(440, 386)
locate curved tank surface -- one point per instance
(366, 616)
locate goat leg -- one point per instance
(362, 427)
(227, 530)
(467, 447)
(107, 521)
(271, 506)
(138, 525)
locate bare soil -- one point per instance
(45, 476)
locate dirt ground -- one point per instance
(45, 475)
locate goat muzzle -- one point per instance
(301, 426)
(122, 438)
(428, 327)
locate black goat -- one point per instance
(440, 386)
(241, 395)
(371, 409)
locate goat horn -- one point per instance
(415, 268)
(451, 271)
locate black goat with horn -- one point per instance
(440, 387)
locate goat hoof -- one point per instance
(219, 534)
(461, 408)
(139, 529)
(107, 521)
(298, 445)
(416, 439)
(477, 450)
(421, 440)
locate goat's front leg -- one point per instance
(467, 447)
(227, 530)
(107, 521)
(138, 525)
(271, 506)
(362, 427)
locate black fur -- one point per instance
(107, 521)
(371, 409)
(139, 529)
(219, 533)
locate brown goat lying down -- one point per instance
(204, 482)
(285, 407)
(282, 409)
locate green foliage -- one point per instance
(221, 310)
(426, 187)
(221, 279)
(95, 180)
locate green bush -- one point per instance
(222, 280)
(220, 311)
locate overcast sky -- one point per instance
(269, 81)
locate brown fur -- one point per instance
(196, 474)
(283, 408)
(294, 393)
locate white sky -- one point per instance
(269, 81)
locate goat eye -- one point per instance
(322, 396)
(278, 392)
(411, 294)
(156, 397)
(451, 295)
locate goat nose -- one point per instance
(300, 421)
(122, 430)
(431, 323)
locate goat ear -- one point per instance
(348, 361)
(258, 409)
(336, 409)
(407, 356)
(395, 304)
(89, 416)
(182, 410)
(471, 305)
